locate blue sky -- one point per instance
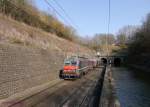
(91, 15)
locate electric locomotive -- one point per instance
(75, 67)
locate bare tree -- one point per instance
(126, 33)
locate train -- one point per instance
(76, 66)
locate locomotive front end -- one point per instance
(70, 69)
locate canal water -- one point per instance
(133, 87)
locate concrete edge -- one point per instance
(108, 97)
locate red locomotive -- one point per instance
(76, 67)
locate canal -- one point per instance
(132, 87)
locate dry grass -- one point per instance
(16, 32)
(17, 41)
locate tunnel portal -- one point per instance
(117, 61)
(104, 60)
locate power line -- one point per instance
(109, 11)
(65, 13)
(108, 27)
(57, 12)
(70, 19)
(60, 14)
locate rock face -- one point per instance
(30, 57)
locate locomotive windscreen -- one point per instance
(70, 61)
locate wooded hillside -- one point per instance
(25, 11)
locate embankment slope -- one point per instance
(30, 57)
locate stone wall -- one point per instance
(23, 67)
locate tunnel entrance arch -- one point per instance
(104, 61)
(117, 61)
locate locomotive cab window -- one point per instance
(67, 63)
(70, 61)
(73, 63)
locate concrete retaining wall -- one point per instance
(108, 96)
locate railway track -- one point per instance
(74, 94)
(83, 95)
(64, 93)
(79, 97)
(22, 99)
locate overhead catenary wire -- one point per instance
(109, 16)
(61, 16)
(69, 18)
(65, 13)
(108, 26)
